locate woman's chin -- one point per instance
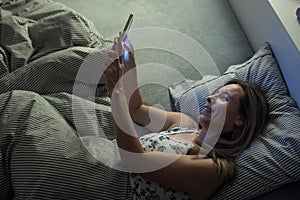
(204, 121)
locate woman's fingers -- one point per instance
(120, 48)
(116, 45)
(127, 48)
(115, 67)
(129, 57)
(128, 43)
(112, 55)
(116, 51)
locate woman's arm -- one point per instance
(150, 117)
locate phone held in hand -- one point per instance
(126, 27)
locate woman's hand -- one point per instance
(128, 54)
(115, 69)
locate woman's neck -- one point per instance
(201, 136)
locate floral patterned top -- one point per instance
(145, 189)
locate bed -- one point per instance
(51, 100)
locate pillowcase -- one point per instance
(272, 160)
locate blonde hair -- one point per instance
(254, 108)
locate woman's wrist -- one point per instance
(118, 90)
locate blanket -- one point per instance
(43, 47)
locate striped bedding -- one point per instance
(43, 45)
(42, 157)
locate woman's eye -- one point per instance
(225, 97)
(215, 92)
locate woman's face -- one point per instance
(225, 100)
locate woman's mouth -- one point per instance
(206, 111)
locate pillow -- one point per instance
(274, 159)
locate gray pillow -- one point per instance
(274, 159)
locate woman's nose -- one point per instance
(208, 99)
(211, 98)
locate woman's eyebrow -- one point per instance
(222, 91)
(216, 91)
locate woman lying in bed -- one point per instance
(195, 162)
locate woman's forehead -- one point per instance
(232, 89)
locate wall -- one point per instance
(260, 24)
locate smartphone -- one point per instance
(127, 27)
